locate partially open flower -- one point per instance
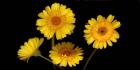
(30, 48)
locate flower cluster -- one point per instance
(57, 21)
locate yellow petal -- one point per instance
(58, 35)
(116, 24)
(70, 63)
(86, 36)
(104, 44)
(71, 20)
(41, 41)
(37, 41)
(74, 64)
(45, 13)
(22, 46)
(41, 15)
(49, 34)
(90, 22)
(109, 43)
(93, 45)
(77, 59)
(63, 9)
(63, 35)
(40, 22)
(110, 18)
(63, 63)
(42, 29)
(30, 42)
(81, 57)
(46, 31)
(116, 34)
(87, 26)
(68, 29)
(56, 60)
(48, 10)
(100, 18)
(113, 39)
(86, 31)
(96, 44)
(100, 45)
(90, 40)
(68, 13)
(55, 6)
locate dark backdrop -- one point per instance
(118, 55)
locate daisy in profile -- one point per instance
(30, 48)
(64, 53)
(102, 31)
(57, 20)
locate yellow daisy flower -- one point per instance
(102, 31)
(57, 20)
(65, 53)
(30, 48)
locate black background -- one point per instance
(122, 53)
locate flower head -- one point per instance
(30, 48)
(56, 20)
(65, 53)
(102, 31)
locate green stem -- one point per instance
(45, 58)
(53, 41)
(93, 52)
(48, 60)
(28, 60)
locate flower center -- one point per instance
(102, 30)
(66, 53)
(56, 20)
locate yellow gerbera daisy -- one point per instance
(101, 31)
(56, 20)
(65, 53)
(30, 48)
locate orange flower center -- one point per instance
(65, 53)
(56, 20)
(102, 31)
